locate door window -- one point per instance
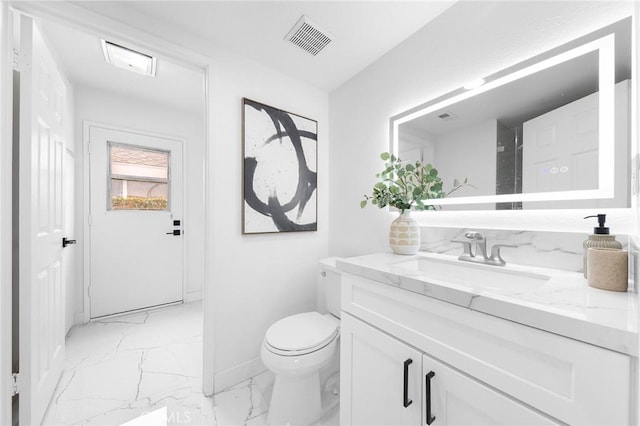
(138, 178)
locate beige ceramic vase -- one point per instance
(404, 236)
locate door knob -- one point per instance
(66, 242)
(174, 232)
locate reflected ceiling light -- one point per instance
(128, 59)
(474, 84)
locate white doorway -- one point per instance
(136, 217)
(193, 273)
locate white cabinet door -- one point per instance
(453, 398)
(377, 388)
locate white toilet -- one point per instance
(301, 349)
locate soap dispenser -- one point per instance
(599, 239)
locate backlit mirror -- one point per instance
(551, 132)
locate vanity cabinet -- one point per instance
(390, 383)
(486, 370)
(457, 400)
(384, 381)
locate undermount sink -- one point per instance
(474, 275)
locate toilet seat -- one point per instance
(300, 334)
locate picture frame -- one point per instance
(280, 159)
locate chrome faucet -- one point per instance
(477, 252)
(480, 243)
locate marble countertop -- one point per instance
(563, 305)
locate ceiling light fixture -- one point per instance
(128, 59)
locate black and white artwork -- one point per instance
(280, 170)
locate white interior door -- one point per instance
(135, 221)
(560, 152)
(41, 204)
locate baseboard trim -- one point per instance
(237, 374)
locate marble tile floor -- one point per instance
(116, 369)
(120, 368)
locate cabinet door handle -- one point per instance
(430, 375)
(405, 386)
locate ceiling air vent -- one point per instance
(445, 116)
(308, 36)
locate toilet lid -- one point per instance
(301, 331)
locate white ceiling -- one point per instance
(363, 30)
(80, 56)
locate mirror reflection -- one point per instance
(535, 140)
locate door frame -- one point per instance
(86, 208)
(93, 23)
(6, 169)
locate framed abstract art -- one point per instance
(280, 151)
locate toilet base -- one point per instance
(295, 400)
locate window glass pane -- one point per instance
(140, 163)
(139, 179)
(138, 195)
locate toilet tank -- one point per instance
(329, 287)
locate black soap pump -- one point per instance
(599, 239)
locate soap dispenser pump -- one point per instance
(599, 239)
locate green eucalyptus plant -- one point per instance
(407, 186)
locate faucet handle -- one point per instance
(495, 253)
(466, 247)
(474, 235)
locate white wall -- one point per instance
(415, 145)
(109, 108)
(256, 279)
(468, 153)
(468, 41)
